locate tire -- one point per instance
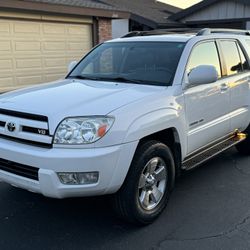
(244, 147)
(148, 184)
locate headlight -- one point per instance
(82, 130)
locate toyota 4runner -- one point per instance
(129, 118)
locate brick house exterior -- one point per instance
(104, 29)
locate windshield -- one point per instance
(152, 63)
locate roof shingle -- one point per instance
(78, 3)
(153, 12)
(149, 9)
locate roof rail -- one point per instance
(198, 32)
(208, 31)
(160, 32)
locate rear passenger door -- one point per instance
(237, 73)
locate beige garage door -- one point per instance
(33, 52)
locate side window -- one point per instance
(204, 54)
(244, 62)
(231, 57)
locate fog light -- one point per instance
(78, 178)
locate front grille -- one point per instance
(29, 128)
(19, 169)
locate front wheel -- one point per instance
(148, 184)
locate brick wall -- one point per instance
(104, 29)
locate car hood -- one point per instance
(68, 98)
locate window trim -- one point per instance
(240, 48)
(190, 54)
(238, 45)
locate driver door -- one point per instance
(207, 105)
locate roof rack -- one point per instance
(198, 32)
(208, 31)
(161, 32)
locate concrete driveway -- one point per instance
(209, 209)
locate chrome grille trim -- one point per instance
(29, 129)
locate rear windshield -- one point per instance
(152, 63)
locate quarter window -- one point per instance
(244, 62)
(204, 54)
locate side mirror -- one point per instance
(71, 66)
(203, 74)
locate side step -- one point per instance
(202, 156)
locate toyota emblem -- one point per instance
(11, 126)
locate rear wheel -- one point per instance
(148, 184)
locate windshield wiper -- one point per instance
(122, 79)
(112, 79)
(135, 81)
(84, 77)
(115, 79)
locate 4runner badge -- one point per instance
(11, 126)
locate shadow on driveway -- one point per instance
(209, 209)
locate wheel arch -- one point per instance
(171, 138)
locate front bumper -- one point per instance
(112, 163)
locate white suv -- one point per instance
(129, 117)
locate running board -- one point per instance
(197, 159)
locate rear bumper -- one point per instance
(112, 163)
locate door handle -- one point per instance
(224, 87)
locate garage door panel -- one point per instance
(77, 30)
(54, 46)
(28, 80)
(28, 63)
(52, 77)
(55, 71)
(40, 71)
(7, 81)
(27, 46)
(77, 46)
(54, 62)
(4, 28)
(5, 46)
(27, 28)
(38, 51)
(6, 64)
(27, 72)
(53, 29)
